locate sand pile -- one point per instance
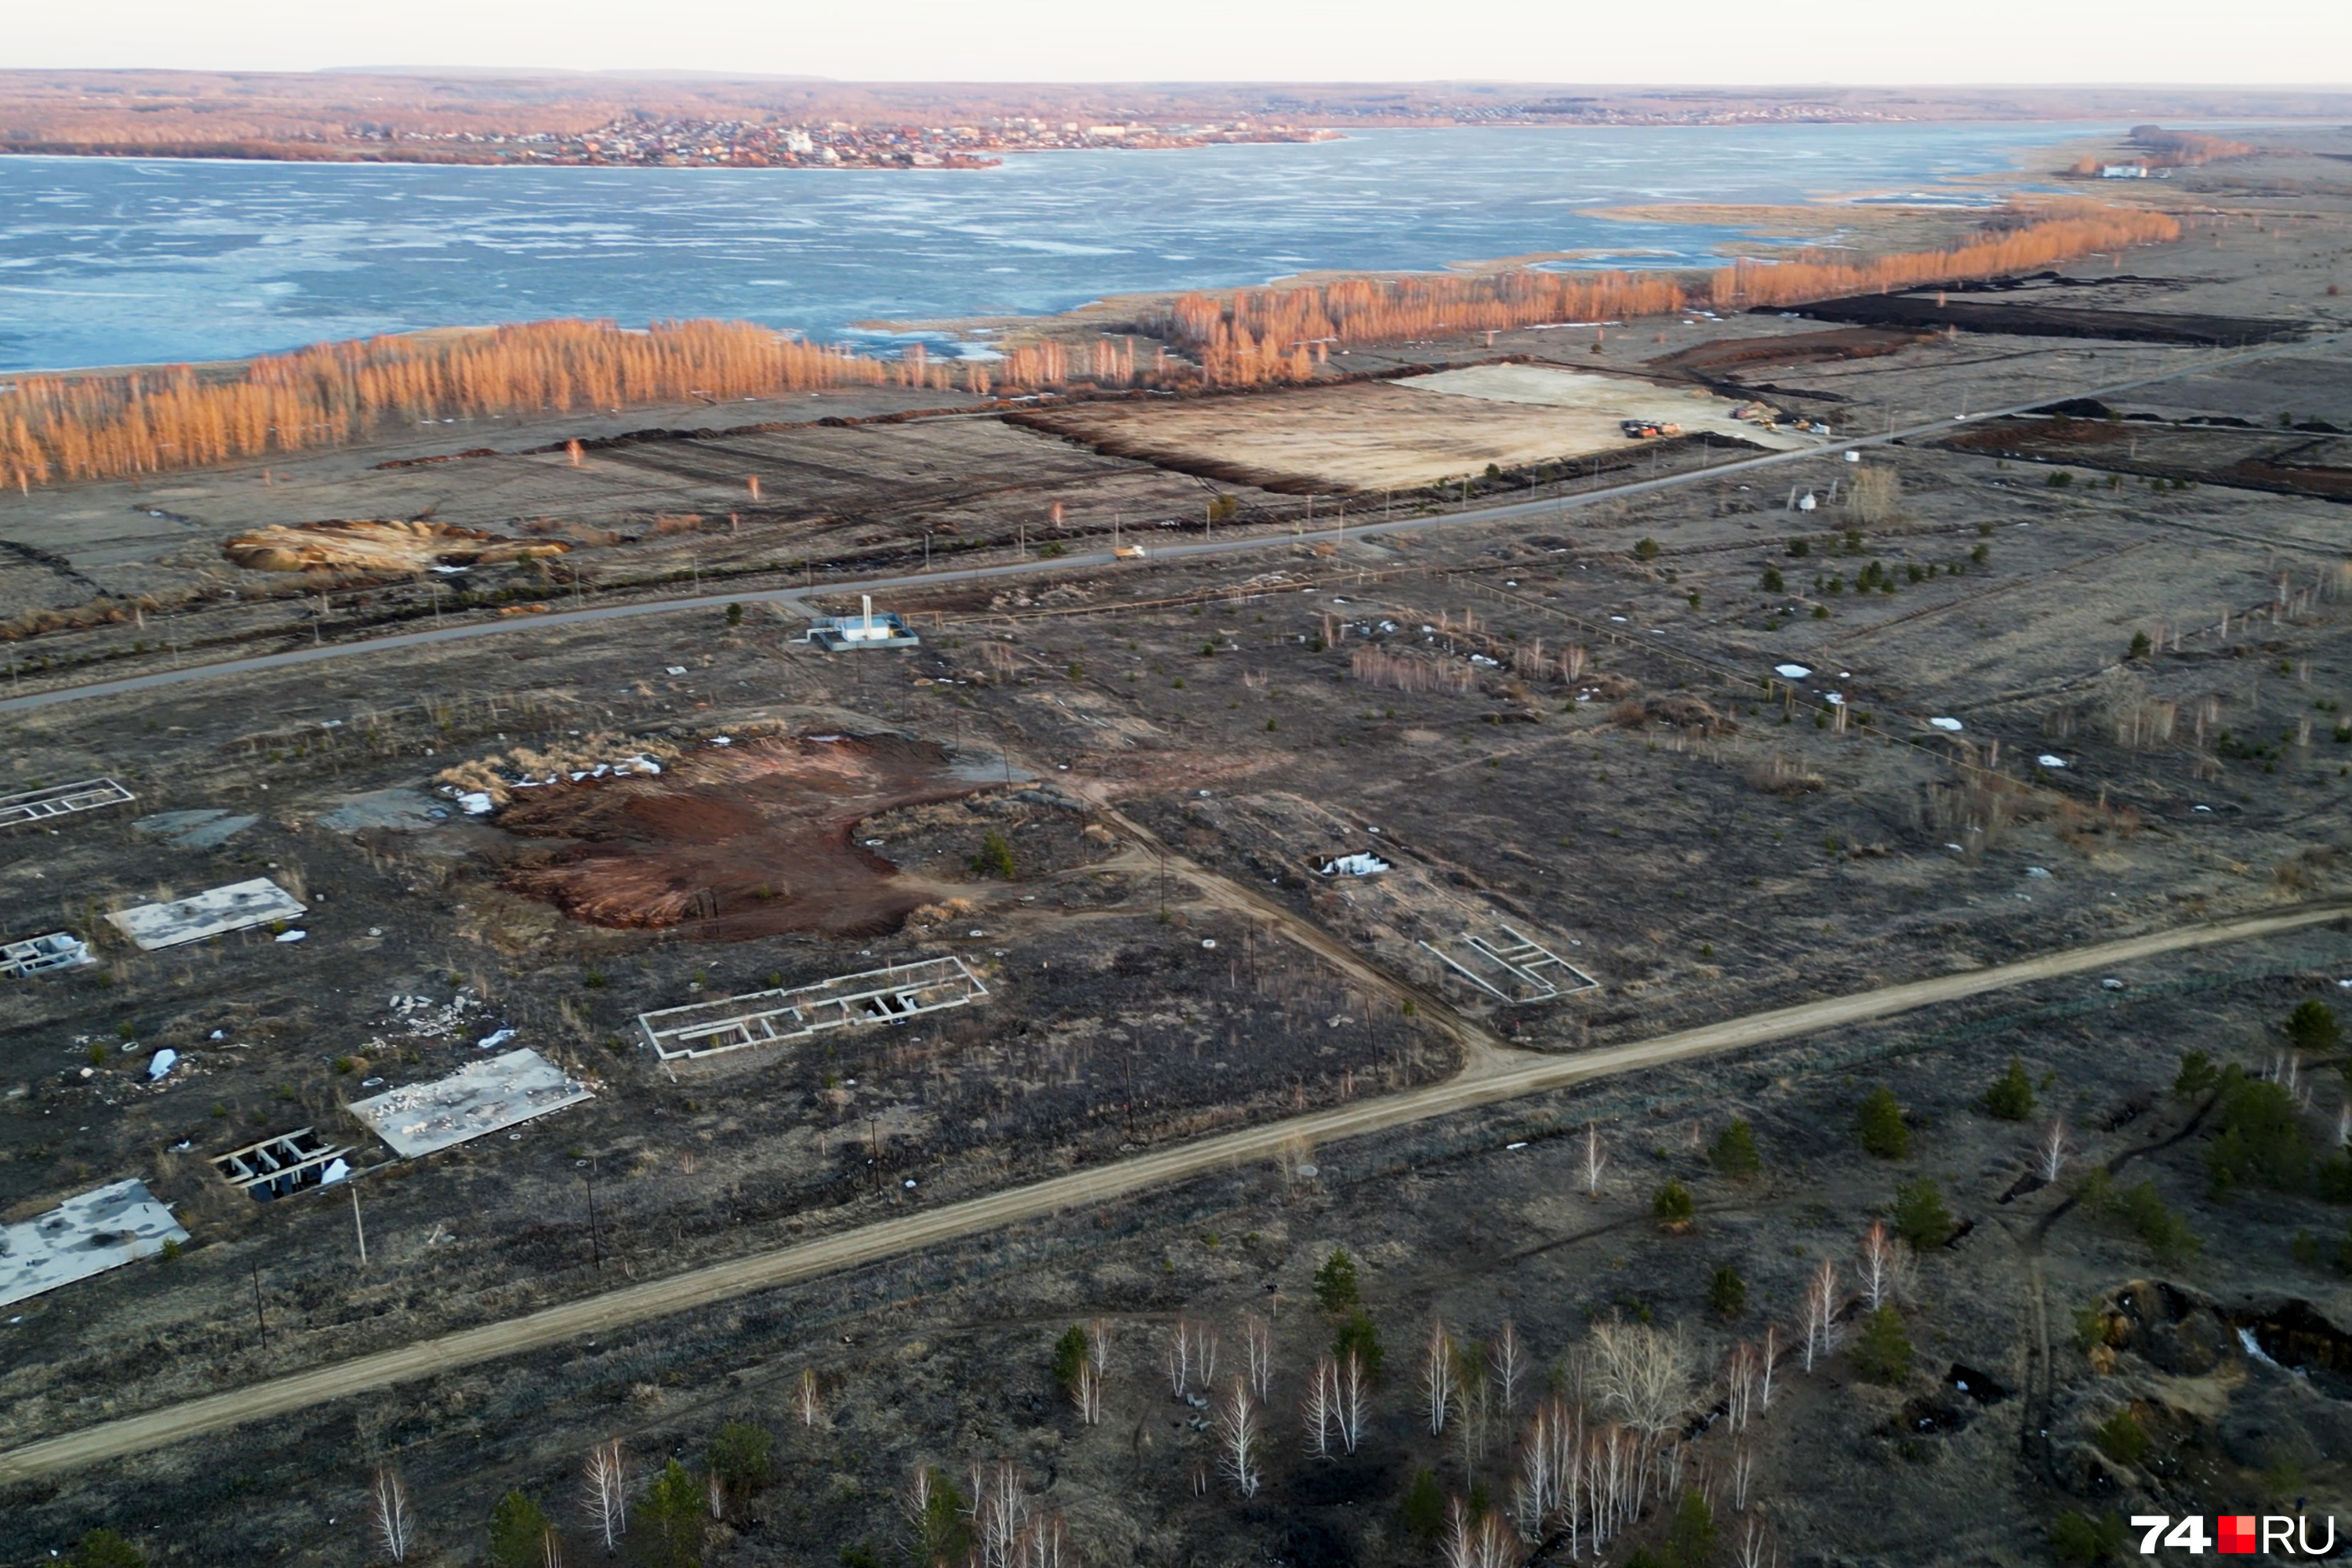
(376, 546)
(745, 840)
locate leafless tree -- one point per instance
(1509, 1363)
(1756, 1548)
(1764, 1377)
(1258, 1342)
(1535, 1496)
(1491, 1546)
(1567, 1437)
(1886, 1265)
(1743, 1468)
(1473, 1397)
(1204, 1353)
(391, 1522)
(1459, 1549)
(716, 1495)
(551, 1549)
(1000, 1511)
(1352, 1387)
(1642, 1372)
(1237, 1438)
(1180, 1360)
(1320, 1409)
(1820, 1310)
(1596, 1160)
(1086, 1393)
(1437, 1376)
(1098, 1345)
(604, 1493)
(2050, 1154)
(1045, 1544)
(805, 1399)
(1739, 1386)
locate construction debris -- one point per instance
(1364, 864)
(889, 995)
(478, 1099)
(102, 1230)
(207, 914)
(43, 955)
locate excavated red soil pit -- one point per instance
(733, 842)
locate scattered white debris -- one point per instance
(1949, 726)
(494, 1039)
(336, 1171)
(1955, 849)
(676, 670)
(161, 1062)
(474, 803)
(1854, 457)
(1790, 671)
(2111, 983)
(908, 1183)
(1208, 941)
(2042, 871)
(217, 1035)
(1619, 620)
(1518, 1145)
(1364, 864)
(1489, 663)
(722, 740)
(2201, 808)
(874, 844)
(1308, 1172)
(2253, 1348)
(284, 936)
(2050, 759)
(1835, 699)
(975, 931)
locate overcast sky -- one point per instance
(1696, 41)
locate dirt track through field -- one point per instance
(1487, 1081)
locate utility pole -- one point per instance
(595, 1246)
(357, 1227)
(257, 1315)
(873, 1128)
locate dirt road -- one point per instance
(1555, 505)
(1479, 1086)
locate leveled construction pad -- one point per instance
(1375, 435)
(233, 907)
(1589, 409)
(482, 1097)
(81, 1236)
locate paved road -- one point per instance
(1160, 551)
(699, 1288)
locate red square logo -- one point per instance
(2237, 1534)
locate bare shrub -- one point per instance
(1874, 496)
(391, 1522)
(1409, 672)
(1642, 1373)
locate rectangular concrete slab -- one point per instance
(479, 1099)
(102, 1230)
(209, 913)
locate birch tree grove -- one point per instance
(391, 1522)
(999, 1512)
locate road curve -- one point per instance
(554, 619)
(806, 1260)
